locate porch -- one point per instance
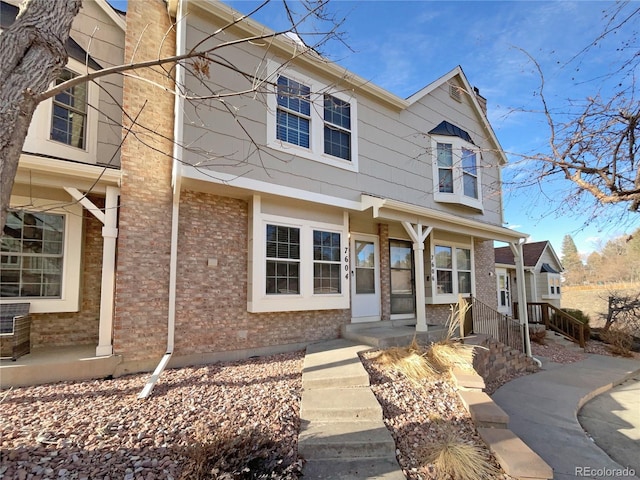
(391, 333)
(56, 364)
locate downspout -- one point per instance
(175, 9)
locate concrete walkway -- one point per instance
(612, 420)
(342, 435)
(543, 409)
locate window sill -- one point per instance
(457, 199)
(444, 299)
(292, 149)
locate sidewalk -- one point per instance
(543, 409)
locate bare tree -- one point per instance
(594, 143)
(33, 52)
(623, 311)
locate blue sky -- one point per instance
(404, 45)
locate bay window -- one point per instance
(456, 168)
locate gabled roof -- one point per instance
(530, 251)
(8, 14)
(312, 60)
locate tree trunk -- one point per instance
(33, 53)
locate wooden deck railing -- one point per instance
(554, 319)
(488, 321)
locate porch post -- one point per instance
(418, 236)
(516, 249)
(107, 290)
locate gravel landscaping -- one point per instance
(243, 415)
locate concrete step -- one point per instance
(514, 456)
(334, 364)
(484, 411)
(385, 468)
(387, 337)
(324, 440)
(340, 404)
(467, 380)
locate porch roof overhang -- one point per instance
(389, 209)
(53, 172)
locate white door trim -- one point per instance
(365, 308)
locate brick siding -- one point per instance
(211, 310)
(385, 272)
(77, 328)
(485, 263)
(142, 282)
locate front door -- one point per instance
(504, 291)
(403, 297)
(365, 278)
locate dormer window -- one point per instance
(456, 170)
(69, 116)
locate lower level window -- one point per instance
(32, 246)
(326, 262)
(453, 270)
(283, 260)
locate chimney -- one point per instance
(481, 100)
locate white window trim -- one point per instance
(316, 141)
(69, 300)
(433, 297)
(39, 137)
(259, 301)
(458, 195)
(549, 277)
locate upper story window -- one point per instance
(337, 127)
(456, 170)
(313, 125)
(69, 116)
(294, 112)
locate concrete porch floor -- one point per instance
(391, 333)
(56, 364)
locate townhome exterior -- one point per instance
(58, 248)
(262, 222)
(313, 201)
(543, 275)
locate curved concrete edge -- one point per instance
(605, 388)
(544, 406)
(513, 455)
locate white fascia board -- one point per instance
(70, 169)
(119, 21)
(437, 218)
(259, 186)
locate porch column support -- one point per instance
(109, 220)
(418, 234)
(516, 249)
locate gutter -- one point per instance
(175, 8)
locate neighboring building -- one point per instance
(272, 219)
(542, 275)
(58, 251)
